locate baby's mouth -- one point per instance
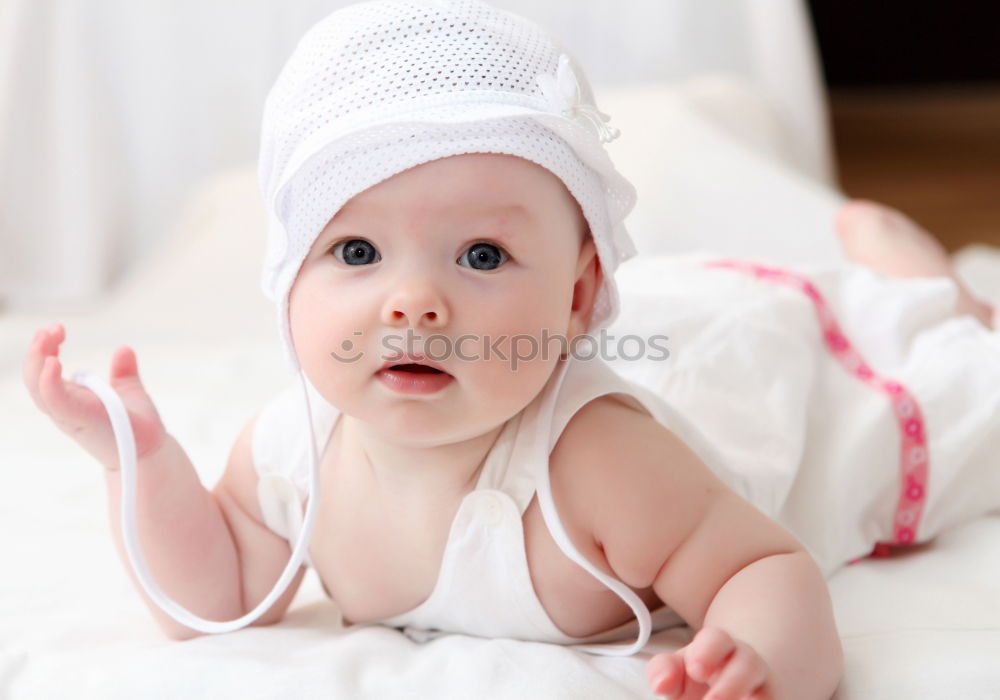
(419, 369)
(413, 364)
(414, 377)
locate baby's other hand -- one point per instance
(714, 666)
(78, 412)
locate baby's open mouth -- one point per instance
(416, 368)
(414, 377)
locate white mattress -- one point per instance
(923, 625)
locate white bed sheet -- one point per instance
(923, 625)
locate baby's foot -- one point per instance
(888, 242)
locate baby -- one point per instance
(435, 177)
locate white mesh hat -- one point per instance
(380, 87)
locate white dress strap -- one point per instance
(544, 440)
(294, 420)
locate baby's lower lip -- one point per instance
(414, 382)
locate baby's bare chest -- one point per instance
(378, 559)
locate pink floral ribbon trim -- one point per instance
(914, 460)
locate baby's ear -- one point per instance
(589, 278)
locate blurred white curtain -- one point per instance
(113, 111)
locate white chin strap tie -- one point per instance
(125, 444)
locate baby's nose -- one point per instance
(416, 304)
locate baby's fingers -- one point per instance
(66, 406)
(741, 677)
(45, 344)
(666, 675)
(707, 653)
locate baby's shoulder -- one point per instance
(610, 442)
(607, 431)
(611, 433)
(622, 478)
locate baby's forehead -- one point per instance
(496, 210)
(477, 185)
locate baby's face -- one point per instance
(465, 260)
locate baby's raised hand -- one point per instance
(78, 412)
(714, 666)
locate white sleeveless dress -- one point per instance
(484, 587)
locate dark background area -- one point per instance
(870, 42)
(914, 107)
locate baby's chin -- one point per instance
(421, 423)
(413, 433)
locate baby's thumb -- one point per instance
(124, 364)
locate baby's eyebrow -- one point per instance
(495, 212)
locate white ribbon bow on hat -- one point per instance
(563, 94)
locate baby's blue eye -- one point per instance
(357, 252)
(484, 256)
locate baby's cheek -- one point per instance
(516, 372)
(300, 317)
(306, 340)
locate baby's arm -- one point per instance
(210, 552)
(768, 624)
(662, 519)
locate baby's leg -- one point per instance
(886, 241)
